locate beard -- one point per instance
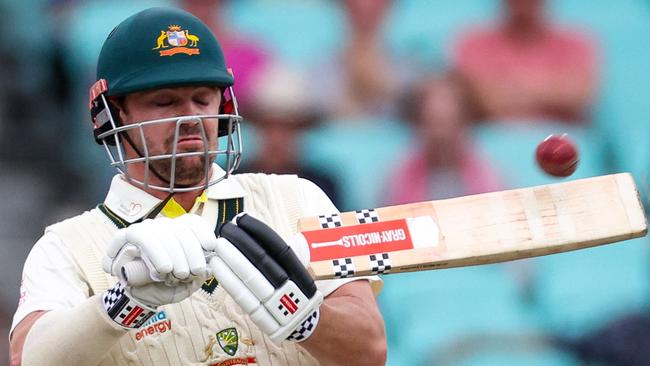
(188, 170)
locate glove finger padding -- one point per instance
(255, 253)
(192, 256)
(174, 250)
(147, 237)
(255, 261)
(251, 277)
(278, 249)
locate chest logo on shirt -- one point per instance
(228, 340)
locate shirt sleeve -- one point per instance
(317, 203)
(50, 279)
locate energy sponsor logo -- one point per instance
(157, 324)
(364, 239)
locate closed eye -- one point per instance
(163, 104)
(202, 101)
(162, 101)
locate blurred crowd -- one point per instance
(379, 102)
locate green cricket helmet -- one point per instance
(161, 48)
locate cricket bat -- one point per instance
(477, 229)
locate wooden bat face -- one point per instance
(478, 229)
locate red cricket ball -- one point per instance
(557, 155)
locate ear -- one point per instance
(118, 108)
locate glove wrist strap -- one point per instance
(306, 328)
(124, 310)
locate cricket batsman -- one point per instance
(185, 263)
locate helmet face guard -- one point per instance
(114, 135)
(165, 48)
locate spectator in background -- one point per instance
(4, 330)
(361, 81)
(31, 120)
(528, 68)
(244, 56)
(280, 110)
(443, 163)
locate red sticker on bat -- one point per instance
(362, 239)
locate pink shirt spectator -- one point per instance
(414, 181)
(550, 74)
(247, 59)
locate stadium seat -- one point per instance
(579, 291)
(463, 316)
(359, 153)
(511, 148)
(319, 25)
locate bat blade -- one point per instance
(478, 229)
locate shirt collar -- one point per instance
(227, 188)
(132, 203)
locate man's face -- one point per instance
(367, 15)
(525, 11)
(174, 102)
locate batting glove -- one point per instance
(157, 262)
(266, 278)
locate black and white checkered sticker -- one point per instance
(113, 295)
(330, 221)
(123, 310)
(343, 267)
(380, 263)
(367, 215)
(306, 328)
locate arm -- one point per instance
(348, 313)
(270, 283)
(569, 94)
(351, 328)
(53, 298)
(562, 88)
(60, 337)
(17, 339)
(570, 85)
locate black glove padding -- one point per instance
(270, 254)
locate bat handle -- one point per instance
(136, 273)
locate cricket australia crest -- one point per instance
(228, 340)
(176, 40)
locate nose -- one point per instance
(190, 108)
(189, 121)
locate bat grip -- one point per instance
(136, 273)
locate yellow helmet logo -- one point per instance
(176, 40)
